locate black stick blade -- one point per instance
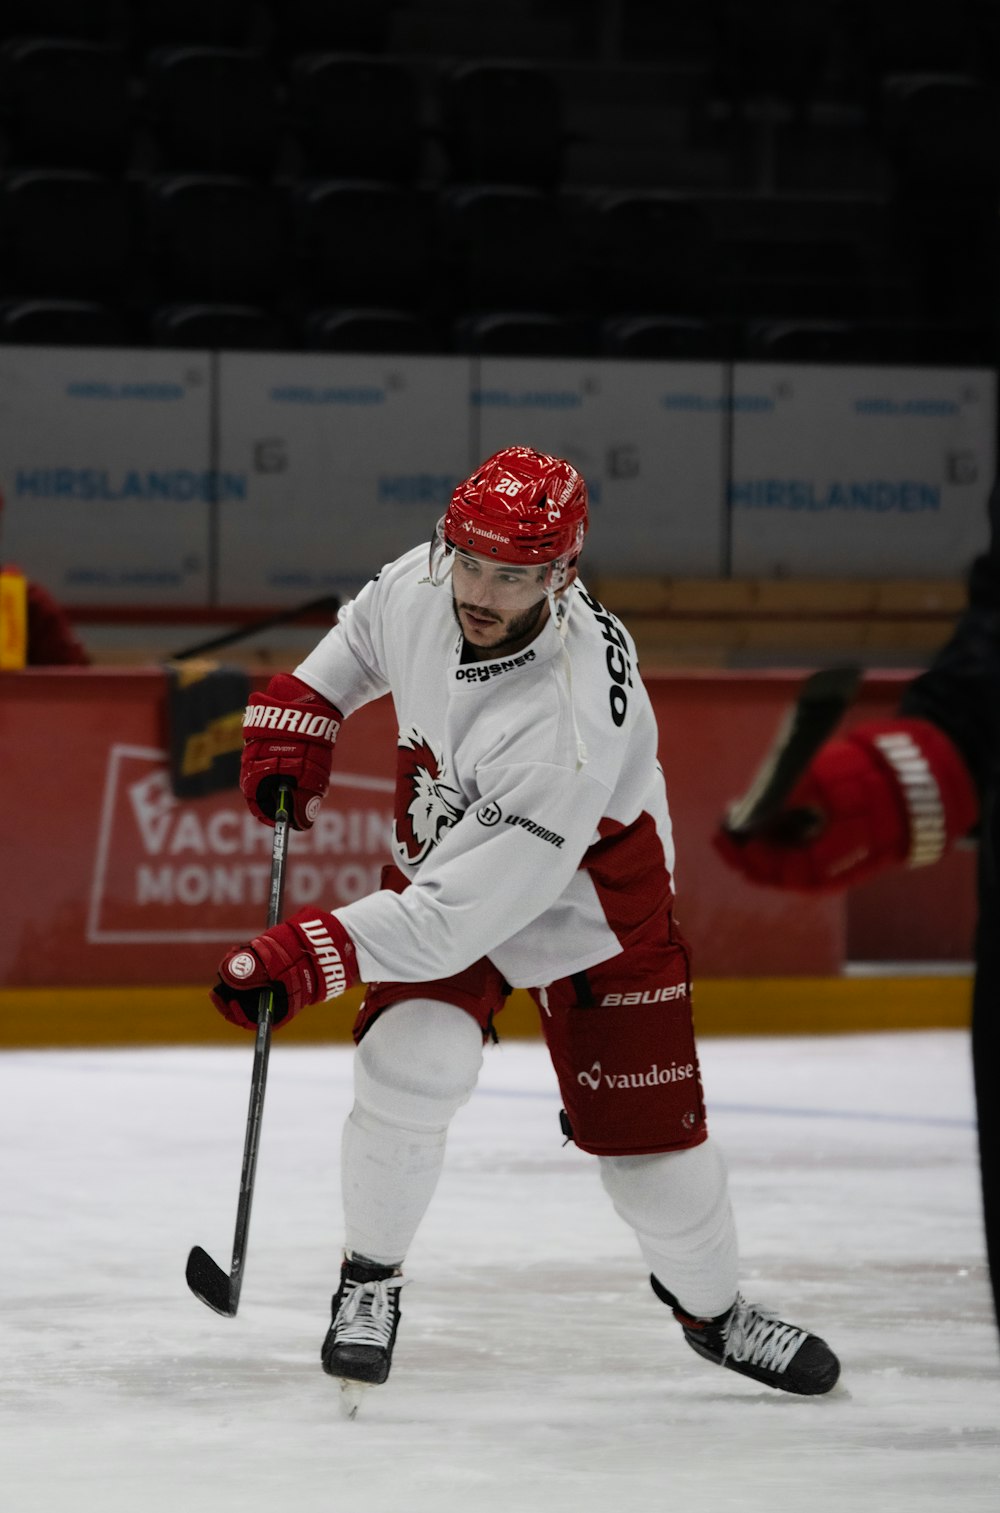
(208, 1281)
(822, 700)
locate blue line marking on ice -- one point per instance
(861, 1116)
(858, 1116)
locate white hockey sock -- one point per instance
(414, 1069)
(678, 1205)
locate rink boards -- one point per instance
(194, 479)
(121, 898)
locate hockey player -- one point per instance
(903, 791)
(532, 848)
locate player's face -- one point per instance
(499, 606)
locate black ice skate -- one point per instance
(358, 1344)
(756, 1344)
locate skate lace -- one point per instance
(367, 1314)
(751, 1334)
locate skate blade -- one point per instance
(352, 1395)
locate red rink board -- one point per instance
(107, 879)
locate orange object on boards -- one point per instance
(13, 618)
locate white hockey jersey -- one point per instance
(530, 809)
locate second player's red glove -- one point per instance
(307, 959)
(889, 791)
(288, 735)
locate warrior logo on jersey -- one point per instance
(426, 805)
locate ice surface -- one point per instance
(535, 1371)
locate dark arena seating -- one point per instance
(630, 177)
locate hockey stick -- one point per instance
(205, 1277)
(328, 602)
(821, 702)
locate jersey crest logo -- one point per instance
(426, 805)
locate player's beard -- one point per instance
(512, 631)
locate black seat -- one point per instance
(244, 328)
(65, 104)
(811, 341)
(870, 342)
(500, 249)
(521, 333)
(212, 110)
(942, 136)
(667, 337)
(369, 330)
(62, 323)
(215, 237)
(830, 147)
(806, 257)
(653, 255)
(503, 123)
(355, 116)
(362, 242)
(67, 233)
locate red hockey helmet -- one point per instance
(519, 506)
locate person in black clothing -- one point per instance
(902, 791)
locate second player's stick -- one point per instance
(816, 712)
(205, 1277)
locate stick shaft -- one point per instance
(229, 637)
(262, 1050)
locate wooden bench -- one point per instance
(719, 622)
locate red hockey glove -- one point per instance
(308, 959)
(890, 791)
(288, 733)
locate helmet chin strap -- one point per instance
(556, 610)
(441, 558)
(559, 610)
